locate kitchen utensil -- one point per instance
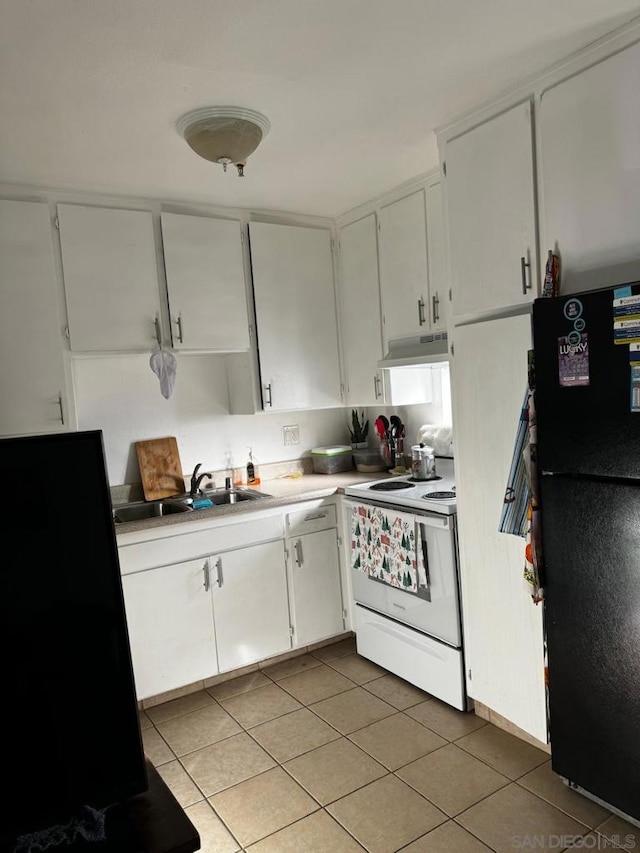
(423, 462)
(160, 468)
(385, 423)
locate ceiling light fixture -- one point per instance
(224, 134)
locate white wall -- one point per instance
(413, 417)
(121, 396)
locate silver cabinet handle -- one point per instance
(316, 516)
(207, 581)
(268, 402)
(421, 319)
(178, 323)
(219, 576)
(60, 406)
(376, 387)
(158, 332)
(298, 549)
(524, 264)
(435, 302)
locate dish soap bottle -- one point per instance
(252, 470)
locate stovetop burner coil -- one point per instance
(439, 496)
(391, 486)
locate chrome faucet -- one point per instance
(196, 479)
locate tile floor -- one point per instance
(328, 753)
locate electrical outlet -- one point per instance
(291, 434)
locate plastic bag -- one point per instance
(164, 365)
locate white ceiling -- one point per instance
(90, 90)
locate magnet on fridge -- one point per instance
(622, 292)
(573, 360)
(635, 388)
(626, 308)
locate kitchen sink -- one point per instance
(221, 497)
(143, 510)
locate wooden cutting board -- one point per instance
(160, 468)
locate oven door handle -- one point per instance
(421, 534)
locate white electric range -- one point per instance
(435, 495)
(403, 561)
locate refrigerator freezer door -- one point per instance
(588, 429)
(591, 539)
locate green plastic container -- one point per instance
(332, 460)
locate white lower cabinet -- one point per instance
(171, 633)
(316, 595)
(250, 604)
(221, 597)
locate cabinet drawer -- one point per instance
(420, 660)
(189, 546)
(317, 517)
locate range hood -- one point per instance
(426, 349)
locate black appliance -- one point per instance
(587, 398)
(72, 736)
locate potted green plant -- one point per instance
(358, 430)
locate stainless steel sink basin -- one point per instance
(143, 510)
(221, 497)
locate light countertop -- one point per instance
(281, 491)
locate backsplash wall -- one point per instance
(121, 396)
(413, 417)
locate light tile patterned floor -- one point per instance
(328, 753)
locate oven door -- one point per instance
(404, 566)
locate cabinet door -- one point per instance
(591, 173)
(170, 623)
(32, 375)
(502, 626)
(360, 312)
(205, 281)
(296, 316)
(110, 278)
(315, 586)
(437, 259)
(491, 214)
(404, 277)
(250, 604)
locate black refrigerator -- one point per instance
(587, 398)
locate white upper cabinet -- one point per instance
(205, 282)
(491, 214)
(32, 374)
(591, 172)
(404, 274)
(295, 316)
(360, 312)
(437, 258)
(110, 278)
